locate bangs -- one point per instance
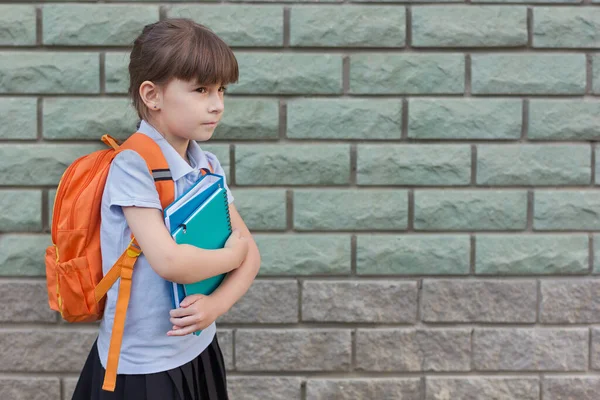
(205, 59)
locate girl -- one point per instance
(178, 71)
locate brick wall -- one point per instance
(420, 179)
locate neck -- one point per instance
(178, 143)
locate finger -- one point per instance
(189, 300)
(186, 321)
(183, 331)
(181, 312)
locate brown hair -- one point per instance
(178, 48)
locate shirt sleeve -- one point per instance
(129, 182)
(218, 169)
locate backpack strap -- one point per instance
(123, 268)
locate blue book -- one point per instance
(207, 225)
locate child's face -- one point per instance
(189, 110)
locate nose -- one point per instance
(216, 104)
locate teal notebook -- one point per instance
(208, 227)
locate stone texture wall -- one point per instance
(420, 179)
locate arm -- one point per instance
(179, 263)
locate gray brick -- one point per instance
(44, 351)
(30, 388)
(287, 73)
(469, 26)
(461, 301)
(264, 388)
(470, 210)
(262, 209)
(359, 301)
(596, 74)
(19, 118)
(407, 73)
(116, 72)
(344, 209)
(293, 350)
(225, 338)
(39, 164)
(304, 254)
(237, 25)
(531, 254)
(18, 25)
(249, 119)
(420, 165)
(23, 210)
(277, 164)
(341, 119)
(359, 26)
(528, 74)
(563, 120)
(464, 118)
(534, 164)
(55, 72)
(566, 27)
(69, 385)
(88, 119)
(363, 388)
(528, 1)
(475, 388)
(525, 349)
(34, 309)
(566, 210)
(386, 350)
(266, 302)
(97, 24)
(595, 348)
(412, 254)
(570, 301)
(22, 255)
(580, 388)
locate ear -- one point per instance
(151, 95)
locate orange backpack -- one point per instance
(76, 285)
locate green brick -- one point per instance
(263, 209)
(96, 25)
(279, 164)
(349, 209)
(407, 73)
(18, 24)
(563, 120)
(55, 72)
(344, 119)
(23, 255)
(534, 164)
(304, 254)
(18, 120)
(528, 1)
(51, 197)
(596, 250)
(531, 254)
(88, 119)
(117, 73)
(466, 210)
(596, 74)
(412, 254)
(237, 25)
(359, 26)
(419, 165)
(464, 118)
(249, 119)
(575, 210)
(528, 74)
(469, 26)
(287, 73)
(38, 164)
(566, 27)
(21, 210)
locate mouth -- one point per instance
(213, 123)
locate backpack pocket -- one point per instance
(76, 291)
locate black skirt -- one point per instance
(203, 378)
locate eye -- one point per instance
(201, 90)
(223, 89)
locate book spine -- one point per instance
(227, 209)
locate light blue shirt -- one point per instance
(146, 348)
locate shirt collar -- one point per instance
(178, 166)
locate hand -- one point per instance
(238, 244)
(196, 312)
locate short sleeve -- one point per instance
(218, 169)
(129, 182)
